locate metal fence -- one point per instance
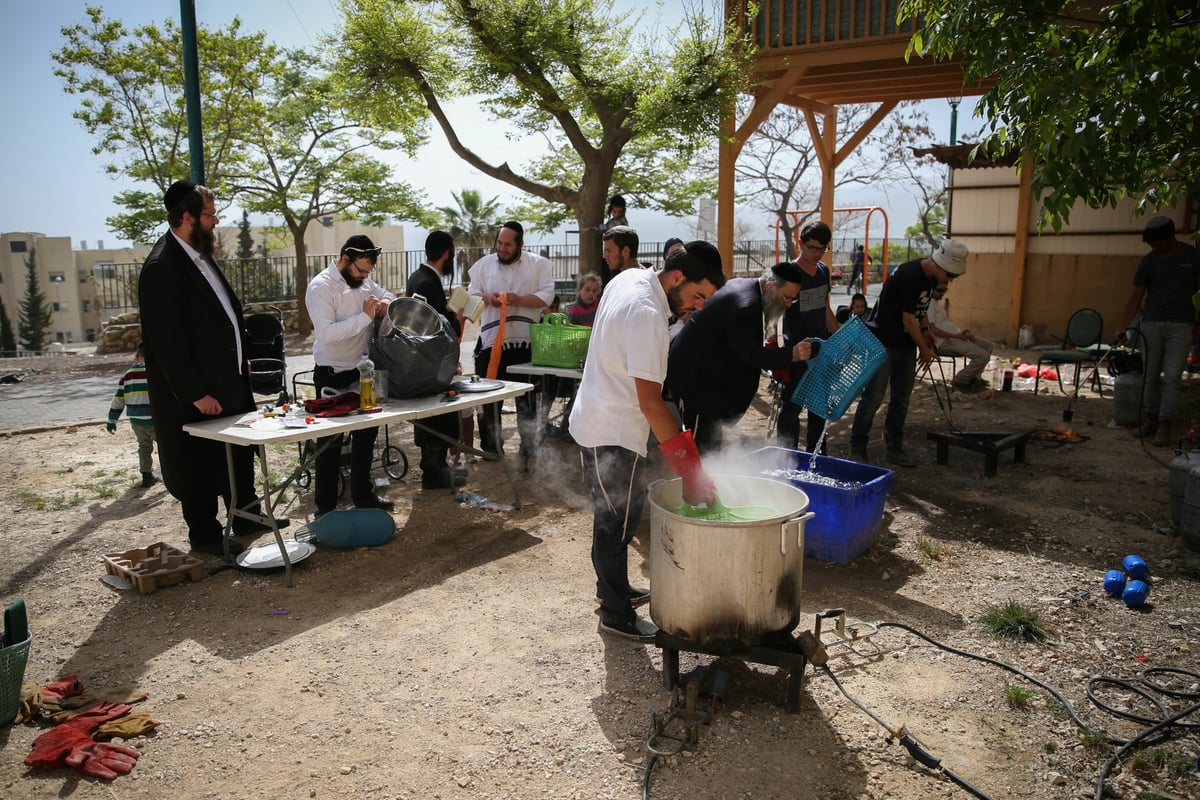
(274, 279)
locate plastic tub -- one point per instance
(848, 520)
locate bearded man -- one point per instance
(194, 339)
(343, 302)
(716, 360)
(620, 403)
(515, 286)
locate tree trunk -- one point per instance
(590, 215)
(298, 229)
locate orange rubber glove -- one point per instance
(684, 460)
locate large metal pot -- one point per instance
(413, 316)
(727, 584)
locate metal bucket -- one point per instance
(727, 584)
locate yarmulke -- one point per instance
(177, 192)
(788, 271)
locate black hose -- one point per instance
(914, 748)
(646, 778)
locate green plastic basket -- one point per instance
(554, 342)
(12, 673)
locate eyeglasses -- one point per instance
(214, 217)
(364, 272)
(816, 248)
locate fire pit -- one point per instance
(990, 443)
(777, 650)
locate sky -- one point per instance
(55, 185)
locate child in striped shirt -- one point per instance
(133, 396)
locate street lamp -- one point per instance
(954, 101)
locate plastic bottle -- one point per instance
(366, 382)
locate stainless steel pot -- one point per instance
(727, 584)
(412, 315)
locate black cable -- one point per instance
(646, 779)
(906, 740)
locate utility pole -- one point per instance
(191, 89)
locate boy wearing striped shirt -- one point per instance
(133, 396)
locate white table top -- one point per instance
(232, 430)
(538, 369)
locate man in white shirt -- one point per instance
(519, 284)
(954, 341)
(343, 303)
(620, 402)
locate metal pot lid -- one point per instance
(474, 383)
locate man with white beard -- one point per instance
(716, 360)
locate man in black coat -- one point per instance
(436, 473)
(194, 339)
(717, 359)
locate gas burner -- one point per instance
(777, 650)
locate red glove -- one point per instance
(684, 460)
(63, 687)
(70, 745)
(103, 760)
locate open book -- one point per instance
(470, 305)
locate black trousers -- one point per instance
(362, 449)
(787, 428)
(489, 431)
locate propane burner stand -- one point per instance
(779, 650)
(990, 443)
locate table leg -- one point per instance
(991, 462)
(943, 453)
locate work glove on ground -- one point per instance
(70, 745)
(135, 723)
(684, 460)
(68, 686)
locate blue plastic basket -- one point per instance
(841, 368)
(848, 519)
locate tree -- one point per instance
(252, 276)
(931, 194)
(131, 89)
(286, 140)
(1098, 99)
(778, 170)
(307, 157)
(569, 71)
(8, 342)
(34, 321)
(472, 224)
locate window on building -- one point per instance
(18, 246)
(83, 276)
(87, 306)
(90, 334)
(59, 306)
(58, 277)
(104, 270)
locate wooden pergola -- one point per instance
(817, 55)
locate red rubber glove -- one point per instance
(70, 744)
(684, 460)
(63, 687)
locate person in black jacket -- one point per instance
(426, 281)
(715, 362)
(194, 338)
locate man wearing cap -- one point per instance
(1166, 279)
(619, 252)
(810, 316)
(343, 303)
(898, 321)
(620, 404)
(426, 282)
(194, 340)
(716, 360)
(519, 284)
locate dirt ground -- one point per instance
(461, 659)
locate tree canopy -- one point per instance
(281, 136)
(619, 107)
(1099, 98)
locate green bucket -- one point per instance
(12, 673)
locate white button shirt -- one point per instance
(342, 331)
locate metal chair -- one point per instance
(1081, 347)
